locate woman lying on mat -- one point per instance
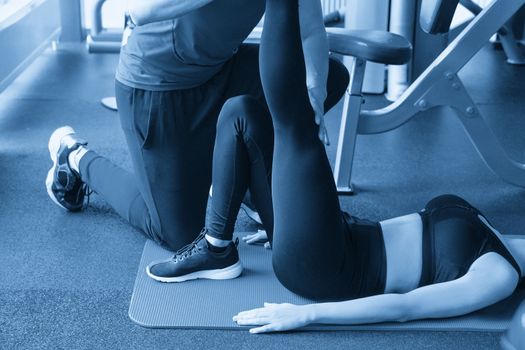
(444, 261)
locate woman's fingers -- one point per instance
(251, 238)
(323, 133)
(264, 329)
(270, 304)
(326, 138)
(257, 316)
(247, 314)
(251, 319)
(317, 119)
(259, 236)
(271, 318)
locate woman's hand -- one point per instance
(275, 317)
(317, 97)
(259, 237)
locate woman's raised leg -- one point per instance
(309, 241)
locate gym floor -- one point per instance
(67, 279)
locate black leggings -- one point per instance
(309, 255)
(311, 245)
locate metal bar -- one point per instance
(479, 133)
(506, 36)
(71, 20)
(348, 130)
(96, 18)
(451, 60)
(103, 47)
(102, 40)
(402, 13)
(510, 46)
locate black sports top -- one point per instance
(453, 238)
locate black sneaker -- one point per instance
(63, 184)
(198, 260)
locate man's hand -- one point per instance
(317, 97)
(128, 29)
(275, 318)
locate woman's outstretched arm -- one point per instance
(490, 279)
(315, 49)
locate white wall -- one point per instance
(112, 13)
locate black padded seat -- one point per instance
(371, 45)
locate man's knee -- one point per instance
(338, 80)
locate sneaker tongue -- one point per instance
(69, 140)
(187, 248)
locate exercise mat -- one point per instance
(206, 304)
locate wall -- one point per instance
(25, 38)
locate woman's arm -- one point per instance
(315, 47)
(149, 11)
(490, 279)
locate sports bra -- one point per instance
(454, 236)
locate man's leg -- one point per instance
(170, 138)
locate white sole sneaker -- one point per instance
(227, 273)
(53, 146)
(64, 185)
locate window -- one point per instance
(12, 10)
(112, 13)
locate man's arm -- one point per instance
(315, 48)
(315, 42)
(149, 11)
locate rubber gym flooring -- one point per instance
(67, 279)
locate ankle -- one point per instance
(219, 244)
(75, 157)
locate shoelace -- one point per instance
(189, 249)
(88, 192)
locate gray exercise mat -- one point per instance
(206, 304)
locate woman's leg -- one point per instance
(309, 254)
(241, 161)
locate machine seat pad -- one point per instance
(371, 45)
